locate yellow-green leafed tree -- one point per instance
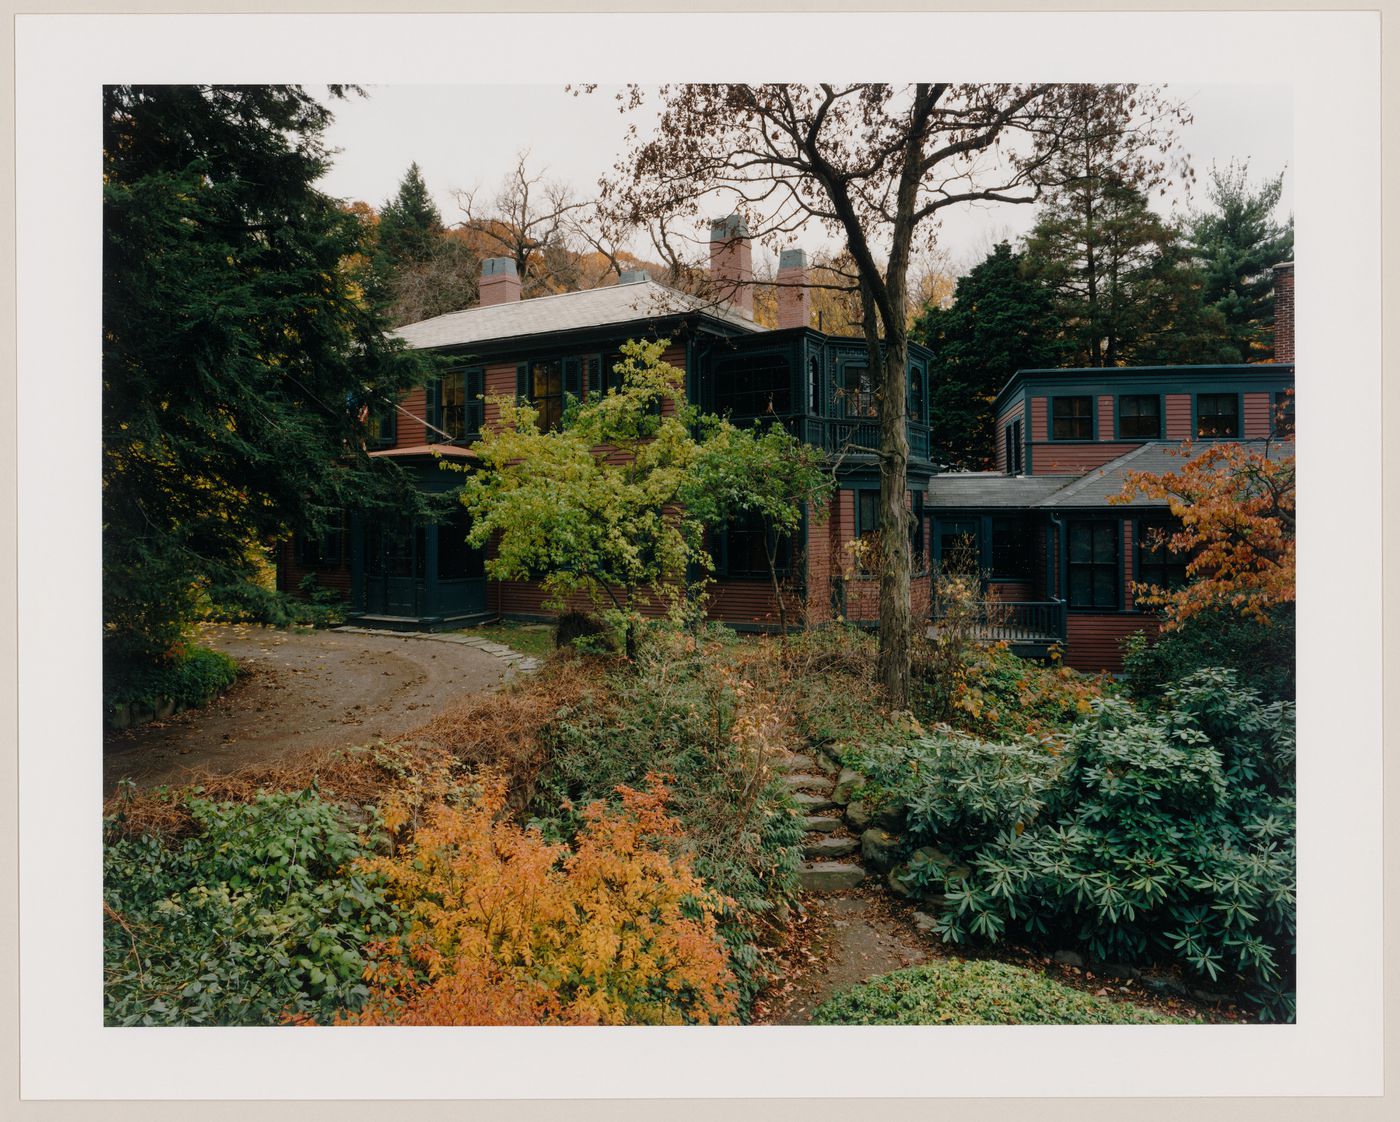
(592, 506)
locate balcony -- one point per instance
(1029, 628)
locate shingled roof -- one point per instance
(567, 311)
(990, 489)
(984, 490)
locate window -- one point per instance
(1140, 416)
(457, 405)
(546, 393)
(916, 394)
(457, 560)
(394, 547)
(957, 546)
(1011, 558)
(380, 430)
(326, 551)
(857, 392)
(814, 389)
(1217, 414)
(1283, 413)
(1156, 564)
(917, 543)
(743, 548)
(1093, 565)
(1072, 418)
(752, 385)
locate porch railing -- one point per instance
(1012, 621)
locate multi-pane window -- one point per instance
(1157, 565)
(326, 551)
(459, 405)
(957, 546)
(395, 547)
(857, 391)
(380, 427)
(546, 389)
(1072, 418)
(916, 394)
(1140, 416)
(745, 543)
(1217, 414)
(753, 385)
(1093, 564)
(1011, 558)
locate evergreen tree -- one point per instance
(409, 223)
(419, 270)
(1238, 242)
(1000, 322)
(238, 367)
(1123, 286)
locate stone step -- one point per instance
(829, 847)
(820, 824)
(829, 876)
(808, 782)
(810, 803)
(798, 762)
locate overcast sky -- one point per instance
(466, 136)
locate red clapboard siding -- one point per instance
(410, 428)
(818, 606)
(1179, 416)
(1095, 642)
(1258, 415)
(1076, 459)
(1106, 429)
(1011, 591)
(748, 601)
(1039, 413)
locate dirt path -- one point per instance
(845, 938)
(301, 692)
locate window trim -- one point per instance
(1093, 419)
(1196, 413)
(1118, 415)
(783, 354)
(1141, 528)
(861, 362)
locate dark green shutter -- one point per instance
(595, 375)
(573, 373)
(522, 381)
(476, 386)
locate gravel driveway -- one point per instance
(302, 692)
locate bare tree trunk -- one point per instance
(896, 619)
(770, 550)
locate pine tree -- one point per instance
(1238, 242)
(1000, 322)
(237, 363)
(419, 270)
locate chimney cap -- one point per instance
(633, 276)
(792, 259)
(728, 228)
(498, 267)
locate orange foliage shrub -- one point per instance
(1237, 507)
(506, 928)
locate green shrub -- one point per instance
(247, 602)
(956, 992)
(193, 677)
(1166, 836)
(1263, 655)
(961, 792)
(677, 709)
(255, 916)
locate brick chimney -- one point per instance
(1283, 312)
(499, 283)
(794, 297)
(731, 262)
